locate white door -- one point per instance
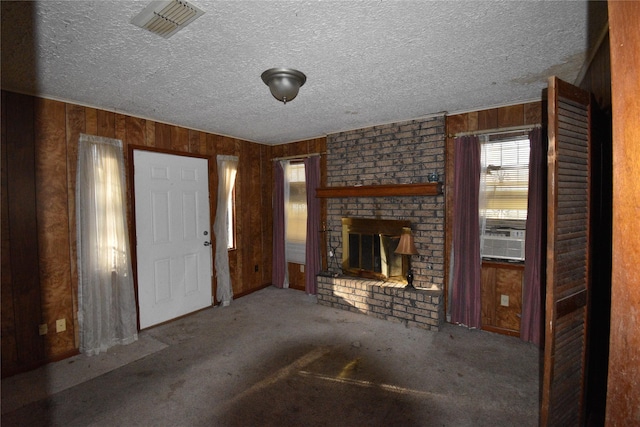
(173, 235)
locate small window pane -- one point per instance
(231, 221)
(295, 212)
(296, 230)
(505, 178)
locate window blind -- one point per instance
(505, 178)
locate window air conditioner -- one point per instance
(502, 247)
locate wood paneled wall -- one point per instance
(21, 342)
(39, 155)
(503, 117)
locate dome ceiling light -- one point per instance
(284, 83)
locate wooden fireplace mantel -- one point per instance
(385, 190)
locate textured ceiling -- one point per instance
(367, 62)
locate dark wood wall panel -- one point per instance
(512, 115)
(8, 344)
(76, 119)
(136, 129)
(497, 279)
(39, 254)
(509, 282)
(487, 119)
(488, 290)
(180, 139)
(194, 142)
(121, 127)
(163, 136)
(296, 276)
(149, 134)
(243, 227)
(106, 125)
(91, 121)
(251, 217)
(532, 113)
(22, 236)
(266, 179)
(203, 143)
(53, 225)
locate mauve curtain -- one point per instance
(279, 262)
(531, 321)
(312, 257)
(466, 303)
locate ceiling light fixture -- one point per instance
(284, 83)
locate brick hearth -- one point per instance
(384, 300)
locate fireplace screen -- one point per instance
(369, 248)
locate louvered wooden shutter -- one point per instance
(567, 289)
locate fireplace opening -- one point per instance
(369, 249)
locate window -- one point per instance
(505, 179)
(231, 220)
(504, 184)
(295, 200)
(106, 186)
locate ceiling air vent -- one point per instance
(166, 17)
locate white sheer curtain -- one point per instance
(106, 300)
(227, 169)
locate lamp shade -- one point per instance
(406, 246)
(283, 83)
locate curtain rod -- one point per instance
(495, 131)
(300, 156)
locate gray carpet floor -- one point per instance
(277, 358)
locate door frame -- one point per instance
(131, 214)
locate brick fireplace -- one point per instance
(388, 155)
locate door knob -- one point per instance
(207, 243)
